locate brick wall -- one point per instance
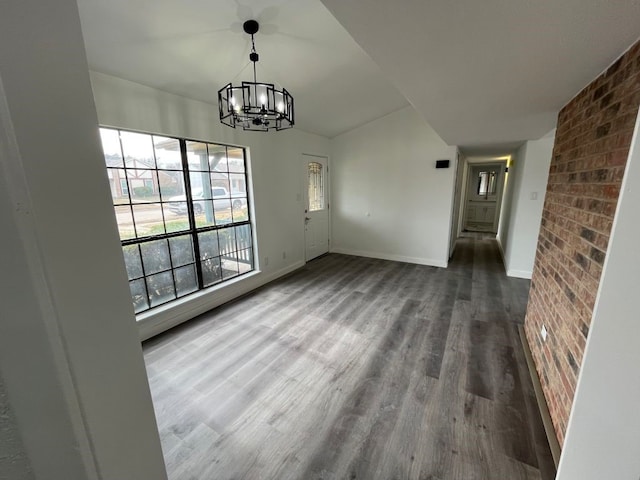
(592, 143)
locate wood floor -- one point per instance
(356, 368)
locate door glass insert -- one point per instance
(316, 187)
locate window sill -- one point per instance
(167, 316)
(162, 318)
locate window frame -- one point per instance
(238, 254)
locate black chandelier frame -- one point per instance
(255, 106)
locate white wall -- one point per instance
(276, 171)
(69, 353)
(504, 224)
(389, 201)
(527, 178)
(603, 435)
(460, 176)
(14, 462)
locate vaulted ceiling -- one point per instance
(486, 75)
(193, 48)
(489, 73)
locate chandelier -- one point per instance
(255, 105)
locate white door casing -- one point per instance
(316, 206)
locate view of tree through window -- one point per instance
(182, 211)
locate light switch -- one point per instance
(534, 195)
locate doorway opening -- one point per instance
(479, 192)
(485, 185)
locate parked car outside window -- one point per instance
(219, 194)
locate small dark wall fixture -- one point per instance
(442, 163)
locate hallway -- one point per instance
(356, 368)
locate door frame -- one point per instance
(305, 201)
(466, 173)
(499, 193)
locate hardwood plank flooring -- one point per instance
(356, 368)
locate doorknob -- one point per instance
(306, 219)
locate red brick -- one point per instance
(593, 137)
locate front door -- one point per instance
(316, 210)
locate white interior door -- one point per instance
(316, 209)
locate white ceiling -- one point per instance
(491, 72)
(486, 75)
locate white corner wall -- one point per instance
(388, 199)
(70, 357)
(508, 200)
(276, 170)
(603, 435)
(459, 176)
(527, 184)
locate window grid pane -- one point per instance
(182, 229)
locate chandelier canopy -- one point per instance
(255, 105)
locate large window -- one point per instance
(182, 211)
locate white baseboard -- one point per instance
(519, 273)
(387, 256)
(504, 261)
(512, 272)
(161, 319)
